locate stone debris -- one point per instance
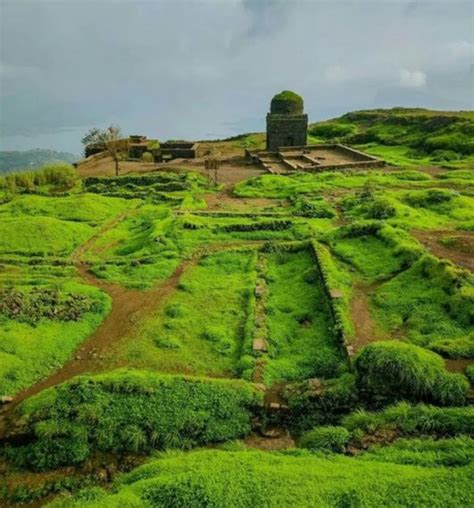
(260, 345)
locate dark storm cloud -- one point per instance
(209, 68)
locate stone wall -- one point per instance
(286, 130)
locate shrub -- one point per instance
(430, 198)
(331, 439)
(470, 373)
(455, 348)
(129, 411)
(314, 208)
(49, 303)
(147, 157)
(331, 130)
(417, 419)
(387, 371)
(380, 208)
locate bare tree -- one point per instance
(106, 139)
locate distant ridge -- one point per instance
(29, 159)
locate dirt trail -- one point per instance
(463, 240)
(366, 329)
(128, 306)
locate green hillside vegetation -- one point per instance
(255, 478)
(327, 317)
(302, 342)
(183, 338)
(131, 411)
(432, 302)
(405, 137)
(39, 333)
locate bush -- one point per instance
(48, 303)
(129, 411)
(331, 130)
(314, 208)
(407, 419)
(455, 348)
(389, 371)
(147, 157)
(60, 176)
(380, 208)
(430, 198)
(331, 439)
(470, 373)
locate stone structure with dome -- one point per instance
(287, 124)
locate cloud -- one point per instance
(186, 68)
(336, 74)
(412, 79)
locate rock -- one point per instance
(272, 433)
(260, 345)
(4, 399)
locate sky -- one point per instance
(189, 69)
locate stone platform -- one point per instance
(313, 158)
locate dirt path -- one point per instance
(461, 250)
(366, 329)
(128, 307)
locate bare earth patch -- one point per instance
(457, 246)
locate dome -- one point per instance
(287, 102)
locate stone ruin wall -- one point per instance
(286, 130)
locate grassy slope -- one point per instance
(29, 352)
(252, 478)
(199, 328)
(405, 137)
(30, 226)
(301, 335)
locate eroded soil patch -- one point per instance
(456, 246)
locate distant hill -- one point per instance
(29, 159)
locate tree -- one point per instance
(106, 139)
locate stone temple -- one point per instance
(287, 150)
(287, 125)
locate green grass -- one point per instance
(279, 186)
(434, 208)
(413, 420)
(28, 352)
(257, 479)
(86, 208)
(375, 249)
(199, 328)
(425, 452)
(392, 370)
(146, 247)
(130, 411)
(405, 137)
(429, 302)
(302, 341)
(41, 236)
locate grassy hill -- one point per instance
(313, 332)
(405, 137)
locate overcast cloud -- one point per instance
(200, 69)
